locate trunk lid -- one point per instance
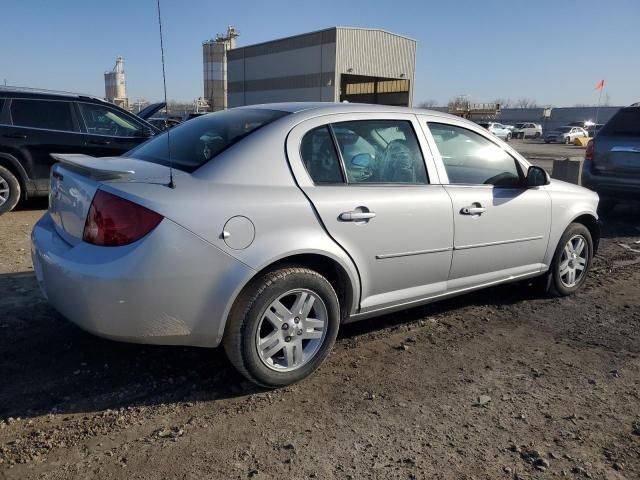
(76, 178)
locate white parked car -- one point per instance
(565, 135)
(498, 130)
(527, 129)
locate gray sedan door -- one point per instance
(501, 227)
(368, 183)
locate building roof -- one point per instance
(330, 29)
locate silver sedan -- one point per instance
(265, 228)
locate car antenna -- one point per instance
(166, 105)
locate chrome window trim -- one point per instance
(67, 131)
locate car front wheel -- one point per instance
(572, 260)
(9, 190)
(283, 326)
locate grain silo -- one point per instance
(214, 60)
(114, 85)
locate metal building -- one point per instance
(336, 64)
(115, 87)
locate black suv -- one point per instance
(35, 123)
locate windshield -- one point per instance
(197, 141)
(564, 129)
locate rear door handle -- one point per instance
(473, 210)
(356, 216)
(14, 135)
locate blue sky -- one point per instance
(552, 51)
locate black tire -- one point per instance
(547, 141)
(244, 320)
(567, 141)
(8, 200)
(557, 286)
(508, 137)
(537, 135)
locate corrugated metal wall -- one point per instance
(375, 53)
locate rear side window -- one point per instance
(49, 114)
(624, 123)
(319, 156)
(380, 151)
(195, 142)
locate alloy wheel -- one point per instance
(5, 191)
(573, 261)
(292, 330)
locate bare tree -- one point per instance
(428, 104)
(526, 103)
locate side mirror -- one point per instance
(536, 177)
(361, 160)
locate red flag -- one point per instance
(600, 85)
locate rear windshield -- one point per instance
(624, 123)
(195, 142)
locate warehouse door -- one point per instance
(378, 90)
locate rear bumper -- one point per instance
(168, 288)
(611, 186)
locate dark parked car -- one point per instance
(612, 159)
(36, 123)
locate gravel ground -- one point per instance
(501, 383)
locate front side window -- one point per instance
(48, 114)
(102, 120)
(195, 142)
(380, 151)
(471, 159)
(319, 156)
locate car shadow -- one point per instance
(36, 203)
(50, 366)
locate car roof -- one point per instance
(26, 92)
(323, 108)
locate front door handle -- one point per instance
(14, 135)
(99, 142)
(356, 216)
(475, 209)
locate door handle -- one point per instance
(475, 209)
(99, 142)
(356, 216)
(14, 135)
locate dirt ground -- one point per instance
(501, 383)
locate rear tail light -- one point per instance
(113, 221)
(588, 154)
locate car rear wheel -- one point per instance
(567, 141)
(537, 135)
(283, 326)
(9, 191)
(508, 137)
(572, 260)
